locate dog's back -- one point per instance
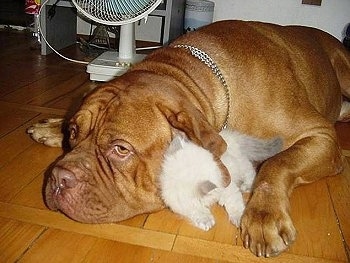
(300, 65)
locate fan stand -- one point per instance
(111, 64)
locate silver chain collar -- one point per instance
(204, 57)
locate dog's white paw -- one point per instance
(48, 132)
(204, 221)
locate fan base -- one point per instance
(108, 66)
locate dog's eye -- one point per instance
(121, 151)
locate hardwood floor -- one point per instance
(33, 87)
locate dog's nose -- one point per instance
(64, 178)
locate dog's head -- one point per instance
(118, 139)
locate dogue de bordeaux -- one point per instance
(261, 79)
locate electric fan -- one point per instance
(123, 13)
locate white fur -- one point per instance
(184, 170)
(191, 180)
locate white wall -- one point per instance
(332, 16)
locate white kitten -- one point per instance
(189, 173)
(192, 180)
(242, 154)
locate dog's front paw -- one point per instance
(48, 132)
(267, 230)
(204, 221)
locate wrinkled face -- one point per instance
(111, 172)
(118, 139)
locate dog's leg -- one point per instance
(266, 225)
(48, 132)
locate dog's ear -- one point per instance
(79, 126)
(196, 128)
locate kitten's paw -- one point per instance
(221, 202)
(212, 197)
(235, 219)
(246, 187)
(235, 213)
(203, 221)
(247, 182)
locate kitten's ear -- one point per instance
(205, 187)
(176, 144)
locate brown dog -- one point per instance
(265, 80)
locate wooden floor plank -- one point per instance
(137, 221)
(59, 246)
(31, 194)
(15, 238)
(15, 142)
(165, 221)
(28, 75)
(33, 108)
(223, 231)
(20, 65)
(111, 251)
(50, 80)
(339, 189)
(11, 118)
(24, 168)
(72, 99)
(214, 250)
(316, 224)
(60, 90)
(116, 232)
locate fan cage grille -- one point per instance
(116, 12)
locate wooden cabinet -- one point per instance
(61, 30)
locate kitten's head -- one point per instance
(181, 145)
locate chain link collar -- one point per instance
(207, 60)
